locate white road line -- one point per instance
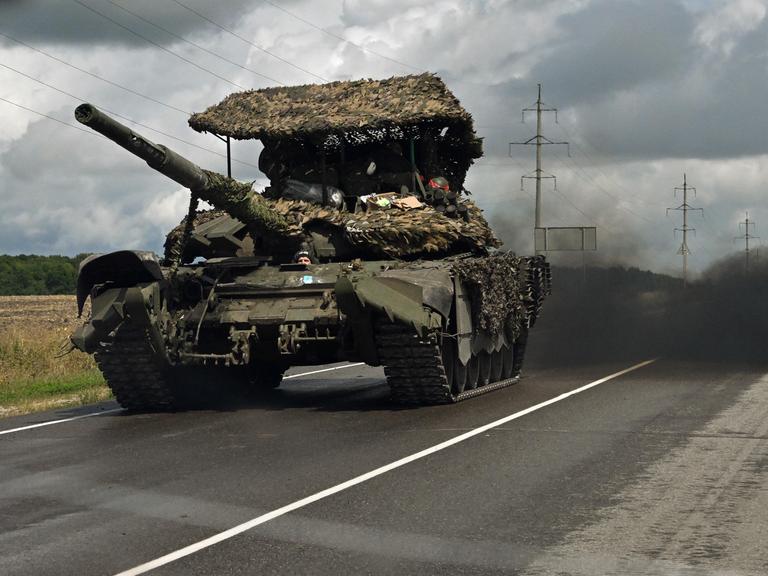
(232, 532)
(51, 422)
(324, 370)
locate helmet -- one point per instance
(439, 182)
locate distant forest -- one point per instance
(29, 274)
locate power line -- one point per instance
(84, 71)
(50, 117)
(594, 181)
(519, 165)
(592, 158)
(236, 35)
(582, 174)
(332, 35)
(575, 207)
(80, 99)
(160, 46)
(198, 46)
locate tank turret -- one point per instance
(281, 224)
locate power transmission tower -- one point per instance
(747, 237)
(685, 208)
(539, 140)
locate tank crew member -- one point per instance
(303, 256)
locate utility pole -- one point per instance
(539, 140)
(747, 237)
(685, 208)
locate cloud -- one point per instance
(91, 198)
(720, 28)
(56, 22)
(614, 47)
(647, 90)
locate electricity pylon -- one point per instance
(747, 237)
(539, 140)
(685, 208)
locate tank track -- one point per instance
(415, 371)
(131, 370)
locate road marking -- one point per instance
(324, 370)
(232, 532)
(51, 422)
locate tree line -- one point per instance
(30, 274)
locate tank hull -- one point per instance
(420, 320)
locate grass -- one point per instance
(33, 374)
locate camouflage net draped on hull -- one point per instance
(392, 233)
(397, 233)
(506, 290)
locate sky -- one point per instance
(646, 91)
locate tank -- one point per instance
(364, 248)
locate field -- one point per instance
(33, 374)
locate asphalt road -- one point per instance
(662, 470)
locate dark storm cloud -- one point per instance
(67, 22)
(645, 90)
(642, 87)
(617, 46)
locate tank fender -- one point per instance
(123, 268)
(400, 301)
(358, 319)
(111, 308)
(431, 286)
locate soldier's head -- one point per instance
(302, 257)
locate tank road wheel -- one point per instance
(473, 373)
(459, 376)
(266, 376)
(138, 379)
(508, 354)
(484, 362)
(497, 365)
(519, 353)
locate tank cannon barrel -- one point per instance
(235, 198)
(159, 157)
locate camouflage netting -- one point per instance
(506, 290)
(354, 113)
(392, 233)
(400, 234)
(240, 201)
(335, 108)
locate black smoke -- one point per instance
(619, 313)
